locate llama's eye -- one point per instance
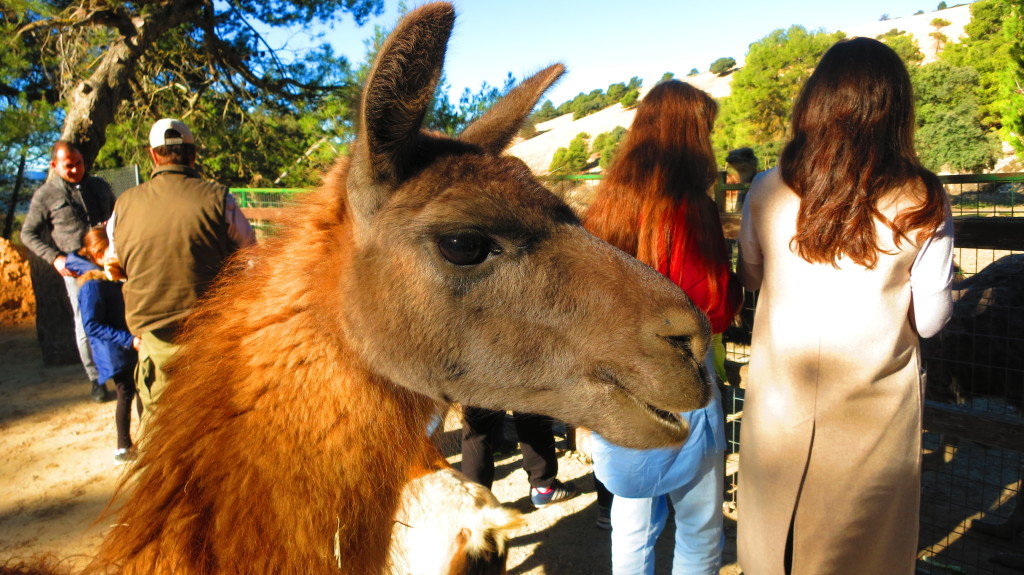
(465, 248)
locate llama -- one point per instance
(979, 353)
(424, 271)
(744, 163)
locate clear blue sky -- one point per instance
(604, 41)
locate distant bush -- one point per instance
(756, 113)
(903, 44)
(722, 66)
(573, 159)
(615, 92)
(547, 111)
(606, 144)
(585, 104)
(593, 102)
(630, 99)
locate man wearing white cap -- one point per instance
(172, 235)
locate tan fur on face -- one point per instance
(556, 322)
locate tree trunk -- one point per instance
(13, 206)
(55, 322)
(95, 101)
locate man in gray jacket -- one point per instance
(61, 211)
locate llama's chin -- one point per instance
(643, 426)
(632, 420)
(671, 422)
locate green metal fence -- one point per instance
(267, 197)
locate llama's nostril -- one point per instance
(683, 343)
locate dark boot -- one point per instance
(100, 394)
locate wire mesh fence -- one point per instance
(990, 195)
(120, 179)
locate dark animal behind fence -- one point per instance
(980, 352)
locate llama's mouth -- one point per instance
(671, 425)
(672, 420)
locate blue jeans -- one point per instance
(71, 284)
(699, 540)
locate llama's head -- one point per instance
(744, 161)
(470, 282)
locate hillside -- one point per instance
(557, 133)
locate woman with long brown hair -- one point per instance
(850, 244)
(654, 204)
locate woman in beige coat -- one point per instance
(850, 244)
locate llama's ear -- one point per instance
(495, 129)
(395, 99)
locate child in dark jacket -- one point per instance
(114, 348)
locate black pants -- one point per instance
(604, 497)
(124, 383)
(481, 428)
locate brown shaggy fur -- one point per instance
(42, 565)
(297, 406)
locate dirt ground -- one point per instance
(57, 474)
(17, 304)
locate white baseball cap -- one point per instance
(168, 132)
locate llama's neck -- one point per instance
(278, 451)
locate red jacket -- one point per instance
(685, 267)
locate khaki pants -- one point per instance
(150, 378)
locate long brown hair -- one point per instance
(94, 245)
(853, 146)
(666, 166)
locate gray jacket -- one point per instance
(61, 213)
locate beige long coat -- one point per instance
(831, 428)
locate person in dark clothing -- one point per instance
(114, 348)
(481, 431)
(61, 211)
